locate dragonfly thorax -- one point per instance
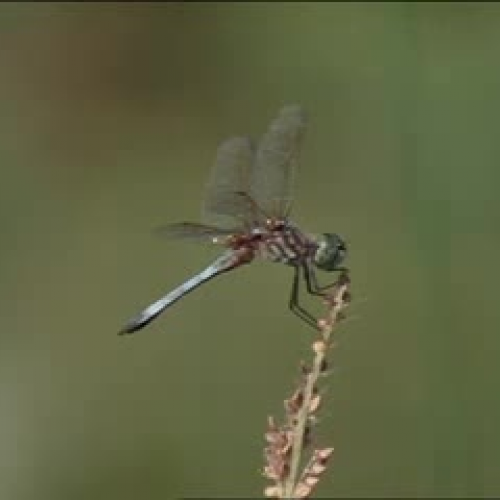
(281, 242)
(331, 251)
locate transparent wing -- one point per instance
(224, 206)
(276, 160)
(195, 232)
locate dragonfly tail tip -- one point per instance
(128, 329)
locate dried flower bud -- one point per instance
(317, 469)
(314, 404)
(320, 347)
(273, 492)
(324, 365)
(322, 323)
(311, 481)
(324, 454)
(302, 490)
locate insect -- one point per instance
(246, 211)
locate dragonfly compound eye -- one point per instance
(331, 252)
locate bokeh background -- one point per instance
(110, 118)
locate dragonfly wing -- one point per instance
(223, 205)
(225, 262)
(276, 161)
(194, 232)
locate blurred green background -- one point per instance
(110, 118)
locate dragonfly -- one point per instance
(246, 210)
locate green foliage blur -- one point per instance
(110, 117)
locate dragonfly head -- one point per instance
(330, 253)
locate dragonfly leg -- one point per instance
(313, 287)
(295, 306)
